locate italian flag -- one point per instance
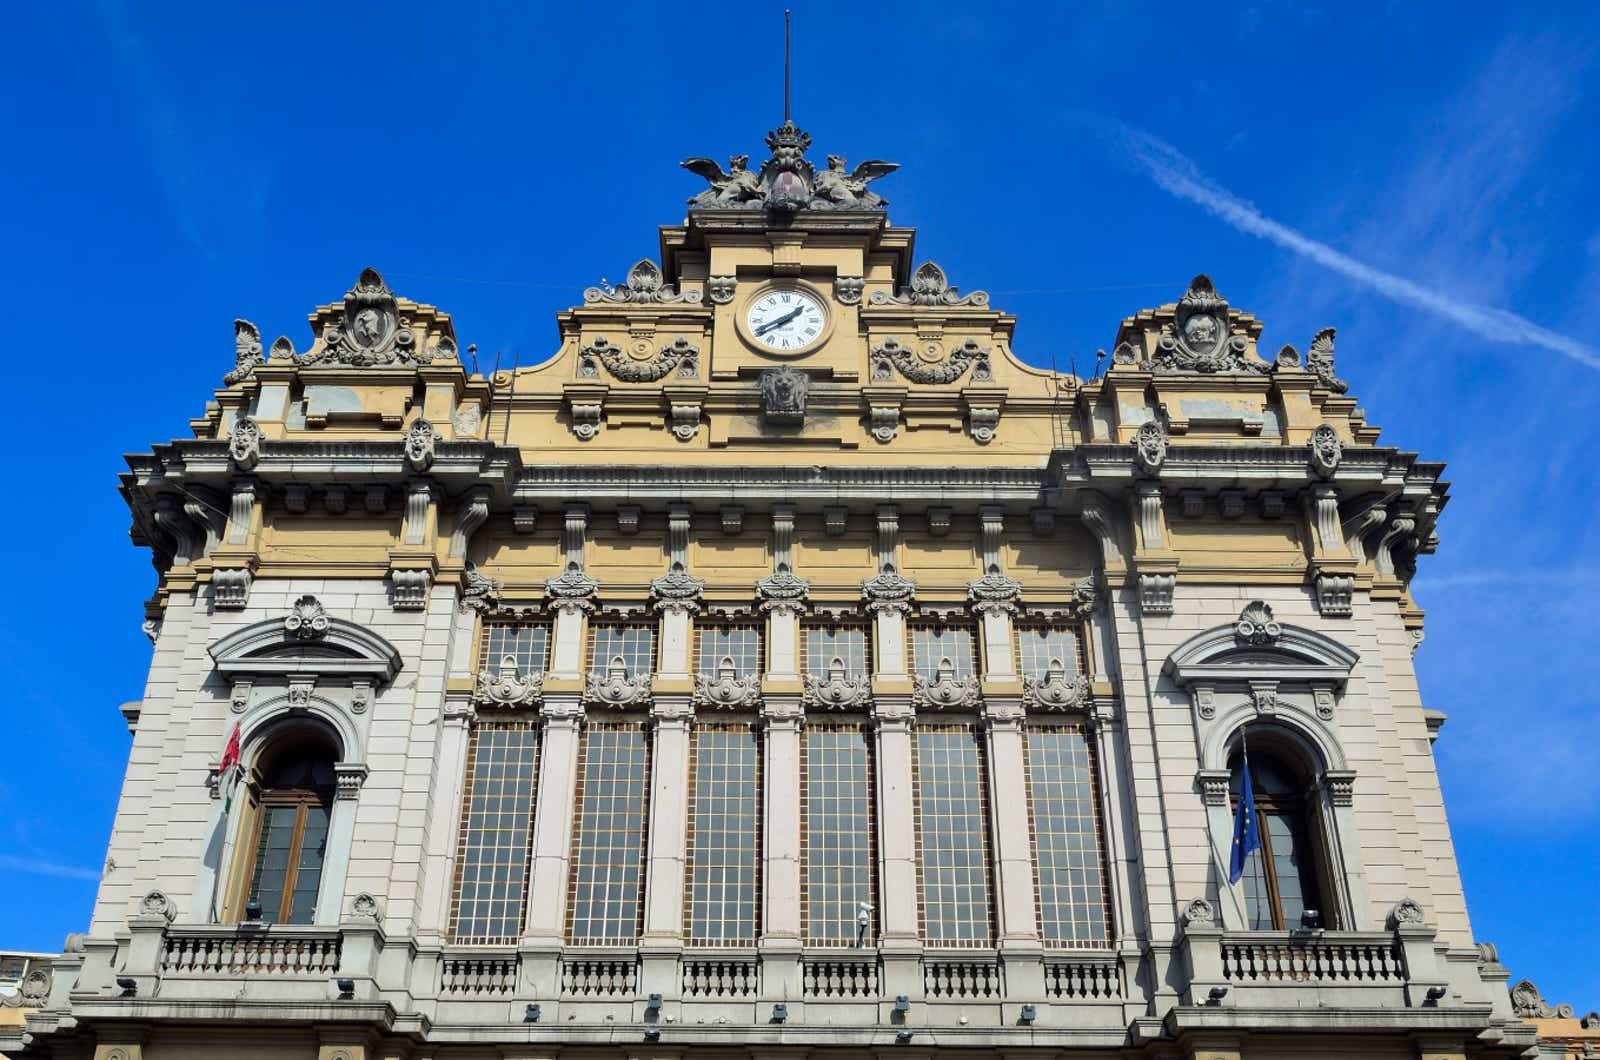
(228, 768)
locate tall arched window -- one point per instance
(1283, 878)
(285, 832)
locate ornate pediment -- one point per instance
(787, 181)
(1200, 337)
(645, 284)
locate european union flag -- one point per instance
(1246, 833)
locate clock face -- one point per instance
(785, 320)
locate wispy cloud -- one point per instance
(1580, 577)
(1178, 175)
(41, 867)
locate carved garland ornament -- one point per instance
(645, 284)
(680, 354)
(1198, 340)
(891, 357)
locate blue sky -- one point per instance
(1419, 175)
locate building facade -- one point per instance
(781, 668)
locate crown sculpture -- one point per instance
(787, 181)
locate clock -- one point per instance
(785, 320)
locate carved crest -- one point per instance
(1256, 626)
(891, 356)
(156, 903)
(1406, 911)
(366, 907)
(1150, 446)
(946, 691)
(930, 287)
(244, 443)
(508, 688)
(615, 687)
(1198, 339)
(784, 391)
(1326, 450)
(1528, 1003)
(370, 332)
(307, 619)
(247, 355)
(1056, 690)
(631, 368)
(1319, 360)
(838, 690)
(726, 688)
(1199, 913)
(645, 284)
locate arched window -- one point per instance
(284, 835)
(1284, 878)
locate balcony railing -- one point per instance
(1283, 957)
(288, 951)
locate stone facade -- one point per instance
(1205, 541)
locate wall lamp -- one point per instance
(129, 985)
(780, 1012)
(1216, 995)
(347, 989)
(1028, 1014)
(531, 1014)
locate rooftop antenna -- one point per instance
(786, 65)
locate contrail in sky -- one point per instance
(1177, 174)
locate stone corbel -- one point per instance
(982, 407)
(1340, 785)
(1332, 569)
(1214, 785)
(1101, 519)
(585, 403)
(202, 506)
(1157, 566)
(573, 589)
(677, 590)
(888, 590)
(783, 590)
(408, 588)
(348, 779)
(244, 510)
(471, 513)
(884, 405)
(417, 525)
(685, 406)
(230, 586)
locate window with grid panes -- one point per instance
(634, 643)
(527, 643)
(724, 836)
(1068, 851)
(494, 850)
(826, 641)
(838, 825)
(738, 642)
(608, 841)
(951, 798)
(931, 644)
(1039, 645)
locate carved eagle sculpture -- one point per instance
(841, 188)
(736, 186)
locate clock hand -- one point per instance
(769, 325)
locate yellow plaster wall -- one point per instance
(331, 539)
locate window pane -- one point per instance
(931, 645)
(847, 643)
(272, 859)
(1068, 858)
(527, 643)
(839, 867)
(1039, 646)
(495, 846)
(608, 843)
(308, 871)
(725, 832)
(631, 646)
(740, 644)
(952, 832)
(1288, 841)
